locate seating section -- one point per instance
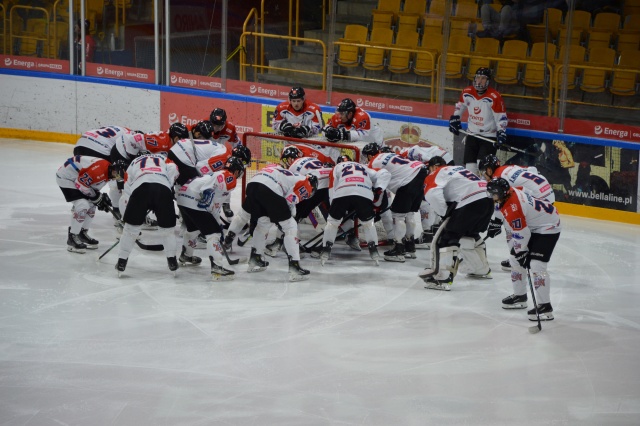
(625, 74)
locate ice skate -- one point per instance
(91, 243)
(409, 248)
(515, 302)
(326, 253)
(314, 251)
(475, 276)
(353, 241)
(373, 252)
(173, 264)
(242, 239)
(505, 265)
(74, 244)
(296, 273)
(424, 241)
(121, 266)
(218, 273)
(188, 260)
(433, 283)
(396, 254)
(272, 249)
(256, 262)
(544, 310)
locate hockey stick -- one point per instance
(115, 214)
(149, 247)
(536, 328)
(109, 249)
(226, 254)
(507, 147)
(306, 246)
(435, 251)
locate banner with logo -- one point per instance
(195, 81)
(34, 64)
(120, 73)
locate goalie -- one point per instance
(297, 118)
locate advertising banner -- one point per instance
(34, 64)
(120, 73)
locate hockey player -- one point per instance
(190, 155)
(535, 226)
(487, 117)
(292, 159)
(352, 189)
(99, 142)
(424, 154)
(271, 198)
(407, 183)
(517, 176)
(352, 124)
(297, 118)
(323, 153)
(178, 131)
(148, 186)
(199, 201)
(224, 131)
(459, 196)
(80, 179)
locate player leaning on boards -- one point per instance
(535, 226)
(297, 118)
(487, 118)
(352, 124)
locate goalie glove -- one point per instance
(332, 134)
(454, 124)
(226, 208)
(501, 139)
(495, 228)
(522, 258)
(286, 128)
(103, 202)
(206, 197)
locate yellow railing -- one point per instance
(35, 37)
(229, 57)
(3, 16)
(260, 67)
(253, 13)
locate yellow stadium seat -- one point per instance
(412, 14)
(624, 83)
(374, 55)
(400, 61)
(427, 56)
(594, 80)
(628, 41)
(552, 20)
(348, 55)
(576, 57)
(454, 65)
(535, 75)
(466, 11)
(606, 21)
(507, 71)
(484, 50)
(437, 8)
(384, 16)
(599, 38)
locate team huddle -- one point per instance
(185, 176)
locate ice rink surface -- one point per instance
(354, 345)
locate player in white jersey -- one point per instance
(352, 124)
(297, 118)
(425, 153)
(189, 154)
(292, 159)
(407, 183)
(99, 142)
(199, 201)
(80, 179)
(459, 196)
(526, 177)
(535, 226)
(148, 186)
(487, 118)
(271, 198)
(132, 145)
(352, 187)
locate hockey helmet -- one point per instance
(489, 161)
(234, 164)
(386, 149)
(479, 83)
(498, 188)
(371, 149)
(289, 155)
(118, 169)
(436, 161)
(347, 105)
(205, 128)
(179, 130)
(343, 158)
(296, 93)
(243, 153)
(218, 117)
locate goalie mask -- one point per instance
(481, 80)
(499, 189)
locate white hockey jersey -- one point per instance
(219, 156)
(150, 168)
(86, 174)
(309, 115)
(402, 170)
(529, 179)
(309, 165)
(424, 154)
(449, 184)
(351, 178)
(487, 113)
(525, 215)
(207, 193)
(292, 186)
(103, 139)
(193, 152)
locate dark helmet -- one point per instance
(179, 130)
(499, 187)
(347, 105)
(218, 117)
(386, 149)
(436, 161)
(296, 93)
(234, 164)
(291, 153)
(119, 167)
(205, 128)
(371, 149)
(343, 158)
(243, 153)
(486, 72)
(489, 161)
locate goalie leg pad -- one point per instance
(474, 258)
(447, 265)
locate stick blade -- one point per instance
(535, 329)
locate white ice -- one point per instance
(354, 345)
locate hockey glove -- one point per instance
(206, 198)
(501, 139)
(301, 132)
(332, 134)
(286, 128)
(454, 124)
(226, 208)
(103, 202)
(345, 134)
(495, 228)
(522, 257)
